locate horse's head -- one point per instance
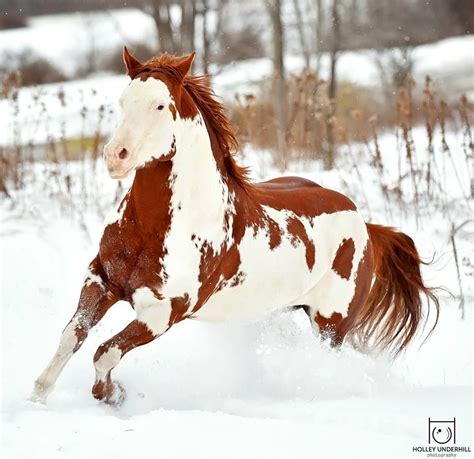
(151, 107)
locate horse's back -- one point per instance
(289, 182)
(301, 196)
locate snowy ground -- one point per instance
(267, 389)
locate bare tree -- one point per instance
(319, 33)
(274, 11)
(160, 10)
(173, 36)
(328, 153)
(205, 37)
(302, 34)
(335, 47)
(187, 29)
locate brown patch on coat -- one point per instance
(274, 233)
(172, 109)
(217, 270)
(298, 233)
(127, 251)
(342, 264)
(171, 153)
(179, 307)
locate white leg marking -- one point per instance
(45, 383)
(106, 362)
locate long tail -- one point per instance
(393, 312)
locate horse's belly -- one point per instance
(271, 280)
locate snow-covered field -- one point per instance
(266, 389)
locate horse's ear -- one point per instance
(183, 64)
(131, 63)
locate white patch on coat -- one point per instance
(116, 215)
(199, 202)
(92, 278)
(279, 278)
(151, 311)
(106, 362)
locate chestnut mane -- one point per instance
(211, 109)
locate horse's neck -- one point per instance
(150, 197)
(188, 189)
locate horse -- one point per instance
(195, 238)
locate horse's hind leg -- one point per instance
(94, 302)
(153, 318)
(330, 292)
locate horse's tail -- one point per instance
(393, 311)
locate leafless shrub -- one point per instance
(33, 69)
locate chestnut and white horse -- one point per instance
(194, 238)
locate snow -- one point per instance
(267, 389)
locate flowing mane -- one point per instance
(212, 110)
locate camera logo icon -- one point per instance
(442, 432)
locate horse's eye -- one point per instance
(160, 107)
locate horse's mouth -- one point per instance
(119, 175)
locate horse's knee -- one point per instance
(105, 359)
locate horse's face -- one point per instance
(148, 125)
(146, 128)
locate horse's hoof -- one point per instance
(40, 393)
(37, 398)
(109, 392)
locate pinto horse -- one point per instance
(195, 238)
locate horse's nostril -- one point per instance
(123, 153)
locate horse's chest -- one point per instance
(191, 253)
(124, 255)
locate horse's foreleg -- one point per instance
(151, 322)
(94, 301)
